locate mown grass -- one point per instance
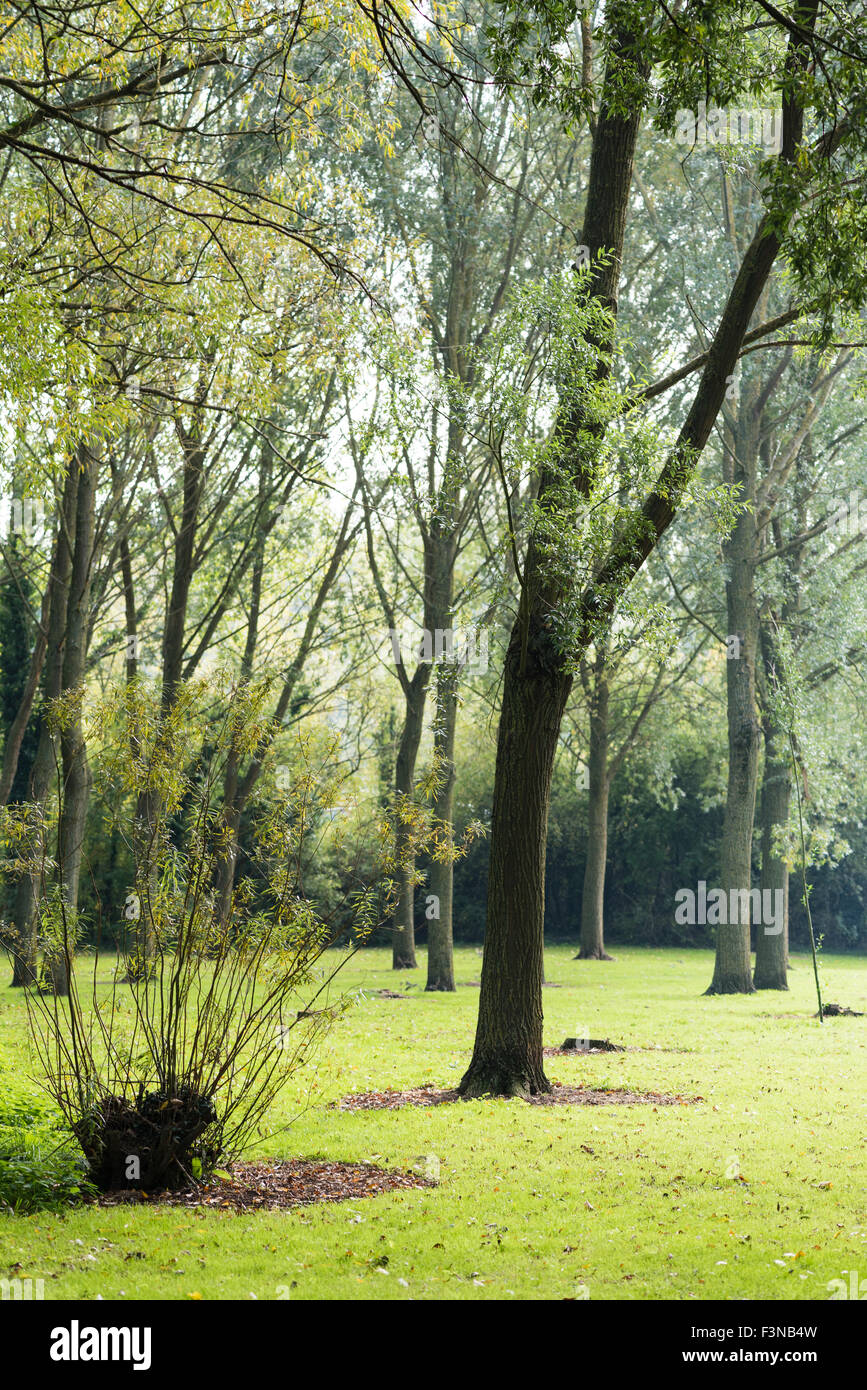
(758, 1191)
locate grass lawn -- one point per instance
(756, 1192)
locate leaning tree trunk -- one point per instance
(593, 896)
(18, 727)
(507, 1055)
(508, 1050)
(440, 957)
(732, 968)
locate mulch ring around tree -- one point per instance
(263, 1186)
(559, 1095)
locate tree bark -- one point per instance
(507, 1057)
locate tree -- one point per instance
(507, 1056)
(466, 222)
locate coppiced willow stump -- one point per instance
(157, 1142)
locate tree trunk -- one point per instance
(28, 888)
(440, 553)
(439, 560)
(772, 948)
(507, 1057)
(440, 959)
(403, 922)
(732, 969)
(76, 771)
(18, 727)
(593, 896)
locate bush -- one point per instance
(168, 1074)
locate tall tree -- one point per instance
(486, 170)
(507, 1055)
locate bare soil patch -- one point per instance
(570, 1046)
(599, 1046)
(560, 1095)
(297, 1182)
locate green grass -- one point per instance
(534, 1202)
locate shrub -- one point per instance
(167, 1072)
